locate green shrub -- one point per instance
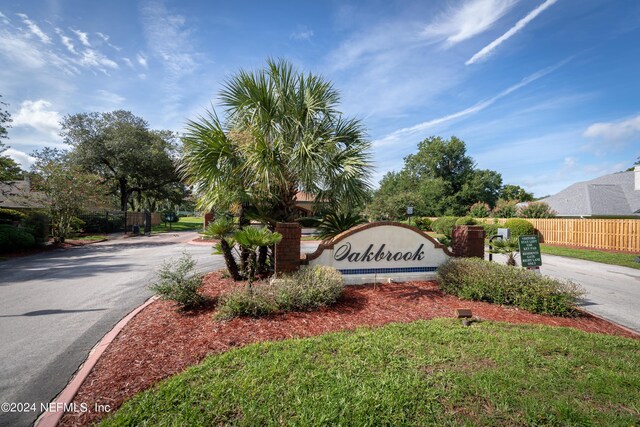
(479, 280)
(519, 227)
(37, 223)
(7, 216)
(423, 223)
(444, 225)
(480, 210)
(14, 238)
(490, 229)
(466, 220)
(178, 283)
(536, 210)
(505, 209)
(251, 302)
(308, 289)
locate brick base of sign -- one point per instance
(287, 255)
(468, 241)
(208, 217)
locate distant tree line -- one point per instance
(441, 179)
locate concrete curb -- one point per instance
(51, 419)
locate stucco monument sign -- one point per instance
(381, 251)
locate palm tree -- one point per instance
(282, 134)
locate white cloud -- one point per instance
(36, 114)
(110, 97)
(395, 136)
(467, 20)
(82, 37)
(617, 133)
(34, 29)
(4, 18)
(128, 62)
(21, 50)
(66, 41)
(303, 33)
(22, 158)
(142, 60)
(169, 39)
(511, 32)
(93, 58)
(105, 38)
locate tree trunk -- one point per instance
(229, 260)
(263, 251)
(244, 252)
(122, 183)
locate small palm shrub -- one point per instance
(222, 229)
(308, 289)
(519, 227)
(480, 210)
(252, 239)
(509, 247)
(14, 238)
(536, 210)
(479, 280)
(335, 223)
(177, 282)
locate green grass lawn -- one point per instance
(89, 238)
(625, 260)
(186, 223)
(423, 373)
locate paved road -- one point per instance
(613, 292)
(54, 307)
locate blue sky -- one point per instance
(545, 92)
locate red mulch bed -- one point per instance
(160, 341)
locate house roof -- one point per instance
(609, 195)
(18, 194)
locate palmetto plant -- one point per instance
(282, 134)
(334, 224)
(251, 239)
(509, 247)
(222, 229)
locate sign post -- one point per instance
(530, 256)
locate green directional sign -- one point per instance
(530, 251)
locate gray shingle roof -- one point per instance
(613, 194)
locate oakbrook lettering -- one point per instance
(344, 252)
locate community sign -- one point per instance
(381, 251)
(530, 251)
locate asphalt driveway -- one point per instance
(55, 306)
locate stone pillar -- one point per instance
(468, 241)
(288, 250)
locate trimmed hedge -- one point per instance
(8, 216)
(519, 227)
(308, 289)
(14, 238)
(479, 280)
